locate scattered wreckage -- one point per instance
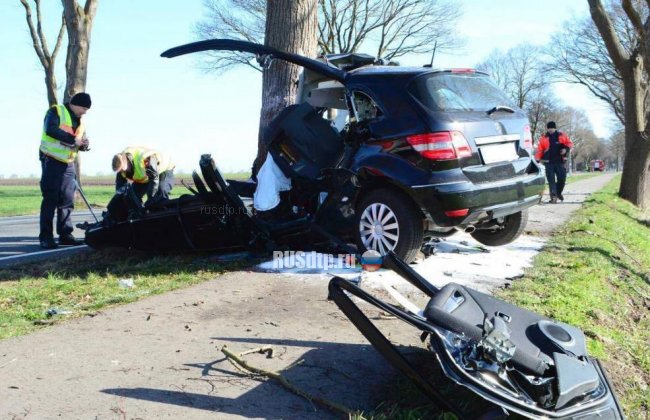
(381, 156)
(518, 360)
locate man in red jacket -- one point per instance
(552, 149)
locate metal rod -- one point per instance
(83, 196)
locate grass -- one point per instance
(594, 274)
(23, 196)
(16, 200)
(89, 282)
(580, 176)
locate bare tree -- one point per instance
(520, 72)
(393, 27)
(580, 56)
(47, 58)
(290, 27)
(398, 27)
(633, 68)
(232, 19)
(79, 23)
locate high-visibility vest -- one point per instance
(63, 152)
(141, 156)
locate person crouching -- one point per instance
(150, 172)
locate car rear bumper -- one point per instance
(483, 201)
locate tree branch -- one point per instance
(34, 35)
(59, 38)
(606, 29)
(634, 17)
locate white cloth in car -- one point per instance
(270, 181)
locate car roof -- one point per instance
(332, 66)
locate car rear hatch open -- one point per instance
(491, 136)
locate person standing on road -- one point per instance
(552, 150)
(63, 136)
(151, 172)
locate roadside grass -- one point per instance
(580, 176)
(594, 274)
(89, 282)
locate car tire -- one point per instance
(397, 224)
(512, 227)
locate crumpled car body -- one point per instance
(385, 157)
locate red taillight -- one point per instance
(457, 213)
(463, 71)
(443, 145)
(528, 138)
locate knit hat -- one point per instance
(81, 99)
(551, 124)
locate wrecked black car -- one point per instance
(518, 360)
(380, 156)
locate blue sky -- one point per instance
(141, 98)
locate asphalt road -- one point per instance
(19, 236)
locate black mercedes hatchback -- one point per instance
(430, 151)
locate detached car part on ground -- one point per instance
(519, 360)
(423, 153)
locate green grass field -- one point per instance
(23, 196)
(17, 200)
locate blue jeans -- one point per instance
(556, 177)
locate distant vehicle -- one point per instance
(596, 165)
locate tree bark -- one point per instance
(291, 26)
(79, 22)
(635, 182)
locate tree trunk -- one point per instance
(635, 182)
(291, 26)
(79, 22)
(51, 85)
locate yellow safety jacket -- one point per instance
(141, 156)
(56, 149)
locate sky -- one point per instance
(171, 105)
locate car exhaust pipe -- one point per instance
(470, 229)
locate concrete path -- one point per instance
(546, 218)
(160, 357)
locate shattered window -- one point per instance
(364, 107)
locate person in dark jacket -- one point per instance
(63, 136)
(151, 173)
(552, 149)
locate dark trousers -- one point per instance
(556, 177)
(165, 184)
(57, 188)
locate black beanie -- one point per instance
(550, 124)
(81, 99)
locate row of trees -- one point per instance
(609, 54)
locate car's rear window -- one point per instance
(458, 92)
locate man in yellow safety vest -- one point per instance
(151, 172)
(63, 136)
